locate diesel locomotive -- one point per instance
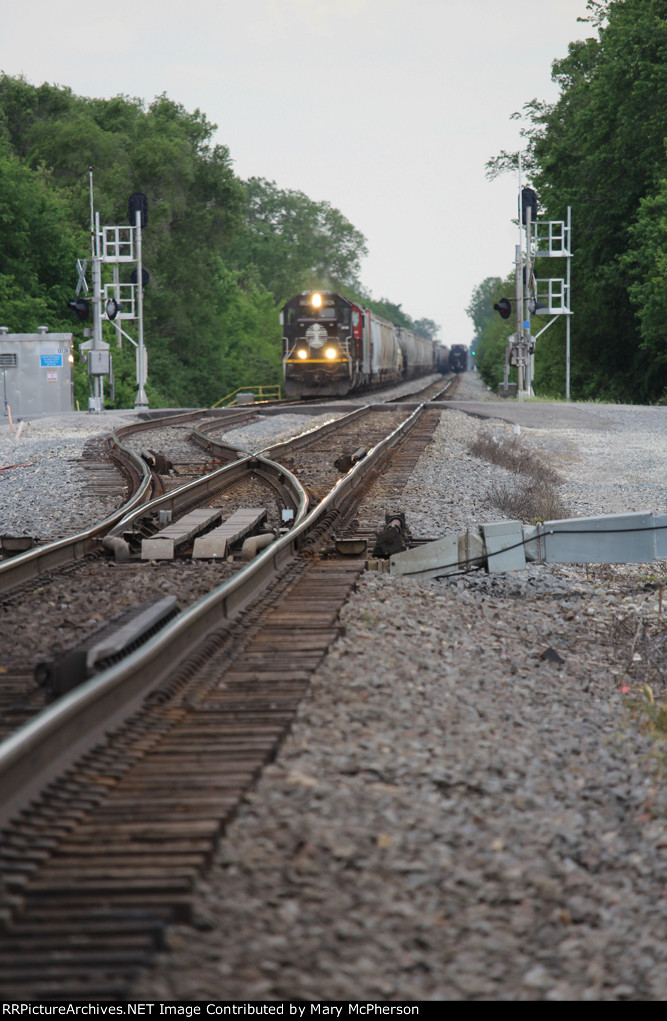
(332, 347)
(458, 358)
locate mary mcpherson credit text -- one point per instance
(294, 1010)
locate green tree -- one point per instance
(645, 263)
(195, 208)
(427, 328)
(222, 255)
(491, 331)
(38, 250)
(600, 149)
(296, 243)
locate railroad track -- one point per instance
(59, 611)
(103, 841)
(440, 389)
(110, 852)
(320, 456)
(112, 465)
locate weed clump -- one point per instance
(533, 497)
(526, 501)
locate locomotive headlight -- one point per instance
(316, 301)
(331, 353)
(302, 353)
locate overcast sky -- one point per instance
(387, 109)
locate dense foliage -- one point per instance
(600, 148)
(490, 331)
(223, 254)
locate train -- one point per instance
(332, 347)
(458, 358)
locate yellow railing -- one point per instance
(262, 393)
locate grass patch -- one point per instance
(527, 501)
(534, 497)
(513, 455)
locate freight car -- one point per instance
(332, 346)
(458, 358)
(442, 359)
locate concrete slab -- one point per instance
(429, 561)
(214, 545)
(163, 545)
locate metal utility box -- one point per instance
(99, 362)
(36, 372)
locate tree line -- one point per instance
(223, 254)
(600, 149)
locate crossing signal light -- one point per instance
(112, 308)
(528, 201)
(145, 277)
(138, 204)
(80, 307)
(504, 306)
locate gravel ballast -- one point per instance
(45, 487)
(468, 805)
(452, 816)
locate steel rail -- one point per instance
(444, 387)
(33, 563)
(197, 490)
(155, 420)
(52, 741)
(276, 450)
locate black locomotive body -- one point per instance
(458, 358)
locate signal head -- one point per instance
(112, 308)
(80, 307)
(504, 307)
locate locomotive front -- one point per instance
(321, 334)
(458, 358)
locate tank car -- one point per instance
(332, 346)
(458, 358)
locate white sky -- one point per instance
(387, 109)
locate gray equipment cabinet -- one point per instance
(36, 372)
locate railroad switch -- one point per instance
(347, 461)
(392, 539)
(158, 462)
